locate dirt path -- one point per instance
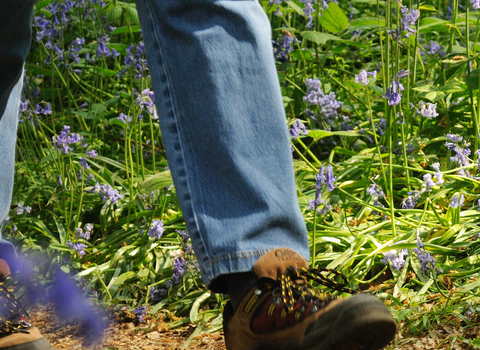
(123, 336)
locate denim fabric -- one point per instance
(223, 127)
(15, 37)
(224, 130)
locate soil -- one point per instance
(155, 334)
(151, 335)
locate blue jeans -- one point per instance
(224, 130)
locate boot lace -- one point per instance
(295, 286)
(12, 314)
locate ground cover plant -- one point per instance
(383, 106)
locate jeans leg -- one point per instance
(15, 38)
(224, 130)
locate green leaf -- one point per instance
(367, 21)
(473, 79)
(114, 15)
(430, 8)
(425, 88)
(160, 180)
(196, 306)
(435, 95)
(319, 134)
(318, 37)
(132, 14)
(126, 29)
(296, 8)
(333, 19)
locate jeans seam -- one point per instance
(172, 114)
(236, 256)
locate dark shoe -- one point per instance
(285, 312)
(16, 333)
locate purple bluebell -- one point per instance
(92, 153)
(297, 129)
(426, 261)
(393, 93)
(411, 201)
(107, 192)
(454, 137)
(179, 268)
(64, 139)
(328, 104)
(140, 312)
(397, 258)
(156, 229)
(59, 178)
(183, 235)
(457, 201)
(362, 77)
(79, 247)
(125, 119)
(308, 12)
(428, 110)
(157, 294)
(21, 209)
(376, 192)
(409, 19)
(283, 46)
(84, 163)
(146, 101)
(102, 48)
(428, 181)
(475, 4)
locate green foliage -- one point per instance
(382, 155)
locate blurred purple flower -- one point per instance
(396, 257)
(156, 229)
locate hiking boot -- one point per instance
(16, 333)
(284, 312)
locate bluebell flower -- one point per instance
(125, 119)
(140, 312)
(457, 201)
(179, 264)
(428, 181)
(308, 12)
(79, 247)
(84, 163)
(454, 137)
(21, 209)
(64, 139)
(411, 201)
(283, 46)
(428, 110)
(393, 93)
(102, 48)
(438, 174)
(328, 104)
(146, 101)
(107, 192)
(92, 153)
(298, 128)
(397, 258)
(59, 178)
(376, 192)
(362, 77)
(409, 19)
(475, 4)
(157, 294)
(426, 261)
(156, 229)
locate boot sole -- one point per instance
(362, 322)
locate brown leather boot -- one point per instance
(284, 312)
(16, 333)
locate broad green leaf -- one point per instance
(126, 29)
(473, 79)
(333, 19)
(367, 21)
(430, 8)
(132, 14)
(114, 15)
(160, 180)
(296, 8)
(435, 95)
(318, 134)
(425, 88)
(318, 37)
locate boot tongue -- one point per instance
(274, 263)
